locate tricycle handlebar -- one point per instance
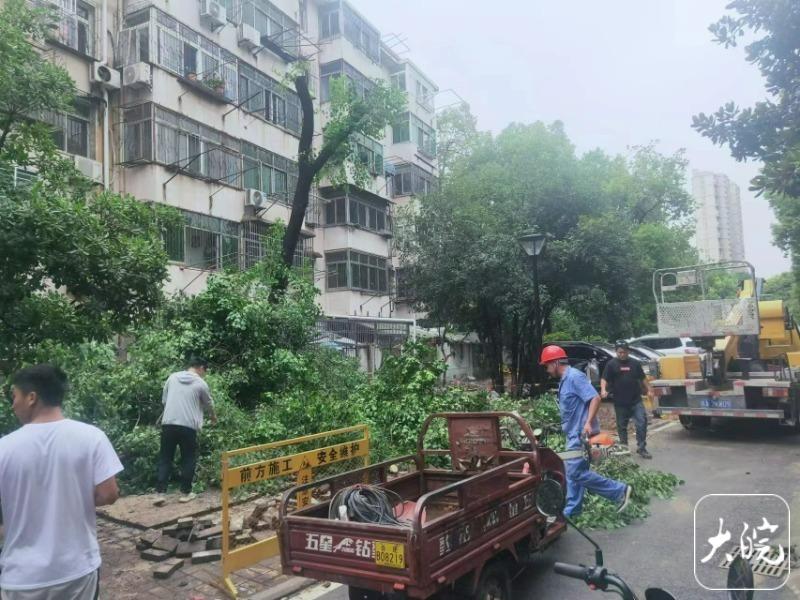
(596, 577)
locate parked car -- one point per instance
(667, 345)
(592, 357)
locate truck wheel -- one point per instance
(495, 584)
(689, 423)
(355, 593)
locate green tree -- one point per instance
(349, 114)
(783, 287)
(769, 131)
(609, 219)
(456, 136)
(75, 265)
(29, 84)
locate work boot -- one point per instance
(644, 453)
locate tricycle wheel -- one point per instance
(495, 584)
(355, 593)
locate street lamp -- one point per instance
(533, 243)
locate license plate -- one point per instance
(716, 403)
(390, 554)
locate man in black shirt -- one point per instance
(625, 380)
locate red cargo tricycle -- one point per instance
(462, 519)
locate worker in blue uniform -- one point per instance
(578, 403)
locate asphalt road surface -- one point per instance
(747, 457)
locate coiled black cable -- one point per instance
(366, 504)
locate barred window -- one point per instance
(348, 269)
(73, 131)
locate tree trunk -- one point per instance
(308, 165)
(305, 172)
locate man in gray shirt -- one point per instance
(186, 398)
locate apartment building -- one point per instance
(719, 235)
(185, 102)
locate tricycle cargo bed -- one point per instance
(452, 523)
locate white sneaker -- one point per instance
(187, 498)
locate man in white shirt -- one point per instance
(54, 472)
(186, 399)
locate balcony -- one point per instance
(206, 89)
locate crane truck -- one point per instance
(749, 364)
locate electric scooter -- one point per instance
(550, 501)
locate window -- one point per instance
(361, 34)
(353, 211)
(269, 172)
(204, 242)
(411, 128)
(268, 99)
(75, 27)
(189, 59)
(336, 265)
(85, 28)
(424, 97)
(365, 271)
(369, 153)
(73, 132)
(177, 48)
(362, 84)
(196, 149)
(329, 22)
(201, 151)
(399, 81)
(411, 180)
(281, 31)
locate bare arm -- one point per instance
(603, 390)
(594, 406)
(106, 492)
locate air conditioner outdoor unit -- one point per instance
(248, 36)
(212, 13)
(136, 75)
(255, 198)
(104, 75)
(89, 168)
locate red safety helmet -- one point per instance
(551, 353)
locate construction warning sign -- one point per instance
(301, 465)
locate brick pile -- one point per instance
(195, 540)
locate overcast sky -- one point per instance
(617, 72)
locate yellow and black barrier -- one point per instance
(300, 464)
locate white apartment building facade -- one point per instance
(185, 103)
(719, 235)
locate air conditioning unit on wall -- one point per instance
(212, 14)
(255, 198)
(104, 75)
(136, 75)
(89, 168)
(248, 36)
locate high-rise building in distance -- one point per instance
(718, 217)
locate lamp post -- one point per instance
(533, 243)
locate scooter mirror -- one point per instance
(550, 498)
(740, 580)
(657, 594)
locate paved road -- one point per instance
(747, 457)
